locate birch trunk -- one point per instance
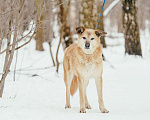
(131, 28)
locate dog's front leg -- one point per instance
(82, 96)
(87, 105)
(99, 85)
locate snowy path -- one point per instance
(126, 92)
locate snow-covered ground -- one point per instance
(38, 93)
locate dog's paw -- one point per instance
(67, 106)
(104, 110)
(88, 106)
(82, 110)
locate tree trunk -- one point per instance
(86, 16)
(9, 51)
(39, 25)
(51, 53)
(131, 28)
(57, 62)
(48, 31)
(89, 15)
(101, 23)
(64, 30)
(66, 33)
(1, 27)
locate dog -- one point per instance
(82, 61)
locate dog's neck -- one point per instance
(97, 50)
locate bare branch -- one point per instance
(26, 42)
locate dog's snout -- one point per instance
(87, 45)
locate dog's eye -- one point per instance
(92, 38)
(84, 37)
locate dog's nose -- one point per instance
(87, 45)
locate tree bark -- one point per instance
(86, 14)
(101, 23)
(64, 30)
(57, 62)
(66, 33)
(89, 15)
(9, 53)
(39, 25)
(49, 20)
(50, 49)
(1, 27)
(131, 28)
(9, 61)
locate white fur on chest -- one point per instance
(90, 70)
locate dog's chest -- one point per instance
(89, 68)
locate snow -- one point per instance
(126, 87)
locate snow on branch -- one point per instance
(110, 7)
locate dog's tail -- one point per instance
(74, 85)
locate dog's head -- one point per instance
(89, 39)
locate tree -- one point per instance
(89, 15)
(48, 31)
(65, 28)
(101, 24)
(39, 22)
(14, 19)
(131, 28)
(65, 33)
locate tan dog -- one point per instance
(83, 61)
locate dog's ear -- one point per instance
(80, 30)
(100, 33)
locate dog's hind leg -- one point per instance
(82, 95)
(87, 105)
(68, 76)
(98, 82)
